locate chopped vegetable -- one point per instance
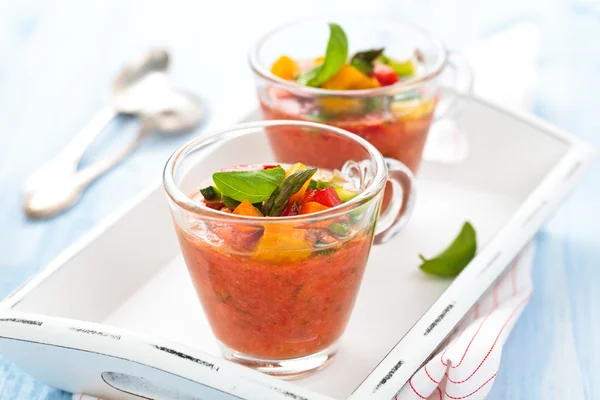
(412, 109)
(285, 68)
(328, 197)
(385, 75)
(363, 60)
(281, 245)
(403, 69)
(335, 106)
(350, 78)
(312, 207)
(280, 197)
(296, 197)
(210, 193)
(455, 258)
(246, 208)
(339, 229)
(344, 194)
(229, 202)
(293, 208)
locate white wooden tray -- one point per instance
(116, 313)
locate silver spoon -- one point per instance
(139, 82)
(176, 113)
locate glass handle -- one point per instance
(459, 87)
(402, 202)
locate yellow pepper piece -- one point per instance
(285, 68)
(412, 109)
(350, 78)
(340, 105)
(246, 208)
(300, 193)
(319, 60)
(282, 245)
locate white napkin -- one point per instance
(467, 366)
(504, 68)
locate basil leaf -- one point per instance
(455, 258)
(254, 186)
(403, 69)
(308, 76)
(281, 196)
(363, 60)
(335, 57)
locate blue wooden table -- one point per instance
(58, 57)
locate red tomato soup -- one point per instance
(277, 306)
(399, 137)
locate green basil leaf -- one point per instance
(363, 60)
(254, 186)
(335, 57)
(308, 76)
(403, 69)
(455, 258)
(281, 196)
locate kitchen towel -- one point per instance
(467, 366)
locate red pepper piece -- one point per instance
(309, 196)
(291, 210)
(385, 74)
(327, 197)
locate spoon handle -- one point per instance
(74, 151)
(65, 163)
(89, 174)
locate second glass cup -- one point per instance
(396, 118)
(278, 291)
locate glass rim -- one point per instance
(184, 201)
(259, 69)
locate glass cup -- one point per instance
(278, 292)
(396, 119)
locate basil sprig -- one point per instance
(254, 186)
(455, 258)
(280, 198)
(335, 57)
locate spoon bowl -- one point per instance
(140, 81)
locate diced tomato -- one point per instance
(309, 195)
(328, 197)
(292, 209)
(385, 74)
(270, 166)
(241, 238)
